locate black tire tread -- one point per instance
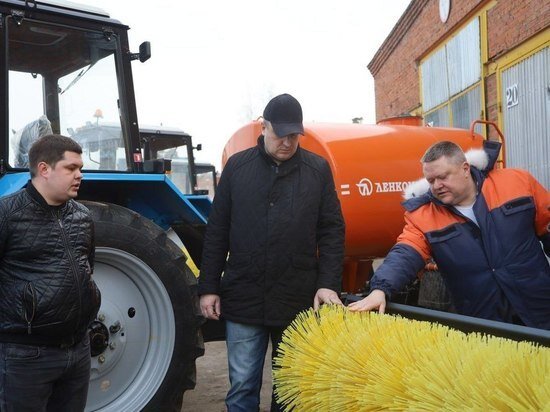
(122, 228)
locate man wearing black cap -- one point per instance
(277, 215)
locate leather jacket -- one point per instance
(47, 295)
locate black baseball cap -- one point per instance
(285, 115)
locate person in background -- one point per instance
(47, 295)
(484, 228)
(278, 218)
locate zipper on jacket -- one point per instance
(29, 291)
(74, 266)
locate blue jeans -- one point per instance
(44, 378)
(246, 350)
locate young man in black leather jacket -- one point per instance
(47, 295)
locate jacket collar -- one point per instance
(284, 167)
(38, 198)
(477, 176)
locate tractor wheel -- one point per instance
(146, 337)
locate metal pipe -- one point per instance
(470, 324)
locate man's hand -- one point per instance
(210, 306)
(375, 300)
(325, 295)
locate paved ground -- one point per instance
(213, 383)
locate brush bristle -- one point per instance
(336, 360)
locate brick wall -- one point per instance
(511, 22)
(396, 79)
(491, 103)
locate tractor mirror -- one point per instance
(144, 51)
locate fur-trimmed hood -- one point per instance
(482, 159)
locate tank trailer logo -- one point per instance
(366, 187)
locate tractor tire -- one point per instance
(146, 337)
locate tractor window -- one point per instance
(89, 113)
(64, 80)
(26, 115)
(180, 167)
(206, 179)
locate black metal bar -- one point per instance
(470, 324)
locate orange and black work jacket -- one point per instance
(497, 270)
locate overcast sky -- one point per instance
(216, 63)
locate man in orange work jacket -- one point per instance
(484, 228)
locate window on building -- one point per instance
(451, 81)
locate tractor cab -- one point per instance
(70, 74)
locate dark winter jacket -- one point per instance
(47, 295)
(283, 228)
(496, 270)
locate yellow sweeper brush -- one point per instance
(336, 360)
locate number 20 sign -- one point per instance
(512, 96)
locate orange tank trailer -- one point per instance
(371, 164)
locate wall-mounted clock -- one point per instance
(444, 9)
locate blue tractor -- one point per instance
(66, 69)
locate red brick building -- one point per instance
(454, 61)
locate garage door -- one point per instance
(526, 114)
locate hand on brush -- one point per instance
(325, 295)
(375, 300)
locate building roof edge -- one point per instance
(399, 30)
